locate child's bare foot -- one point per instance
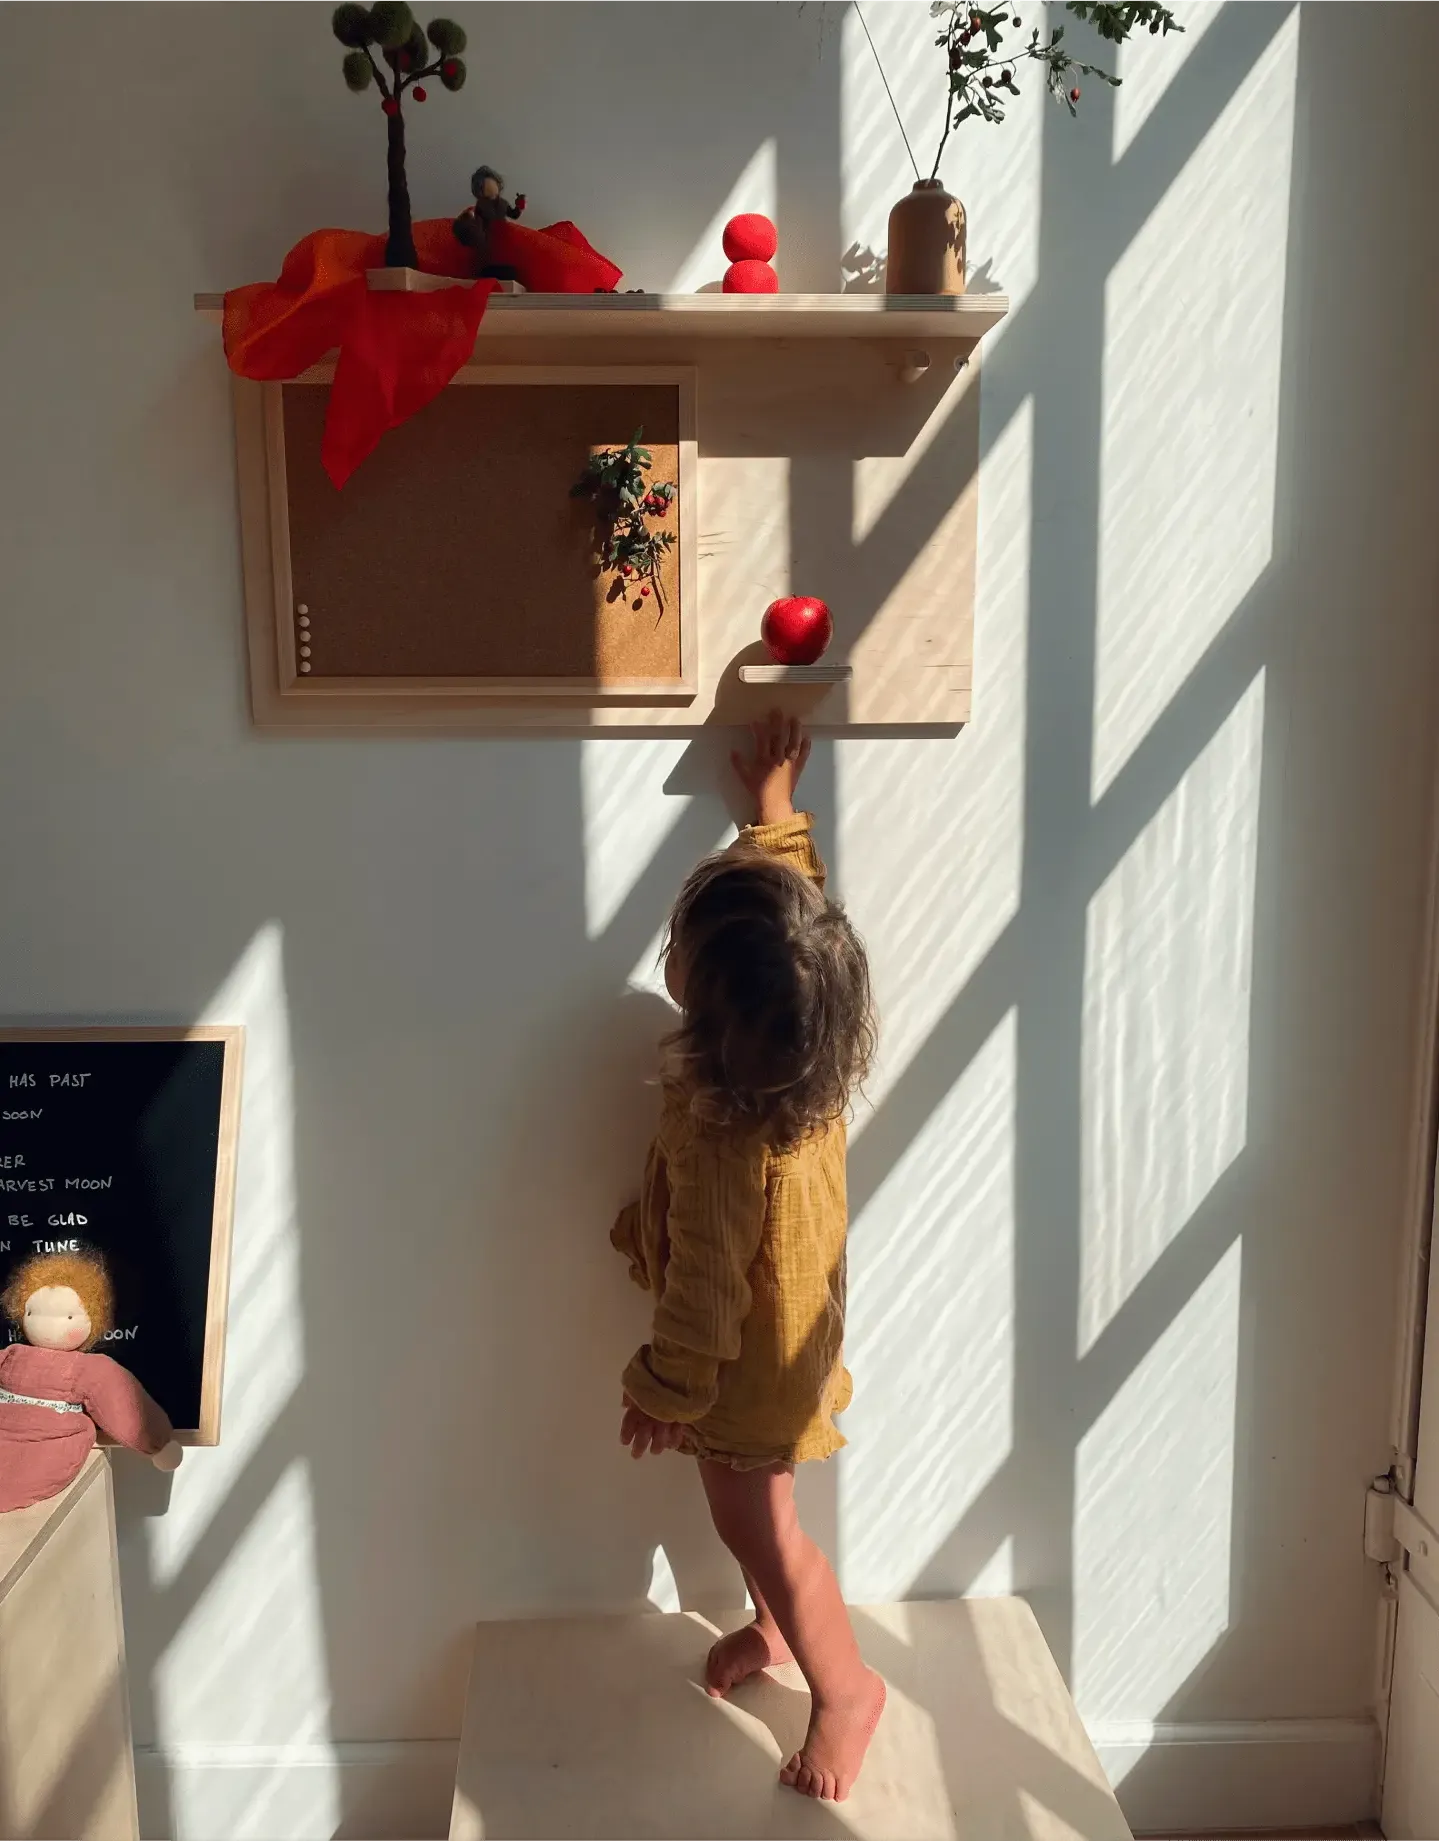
(741, 1654)
(828, 1762)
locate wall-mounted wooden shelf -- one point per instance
(808, 405)
(906, 317)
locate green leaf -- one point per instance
(351, 25)
(447, 37)
(358, 71)
(391, 23)
(452, 74)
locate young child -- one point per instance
(740, 1234)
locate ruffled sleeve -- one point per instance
(792, 841)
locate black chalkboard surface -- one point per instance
(122, 1142)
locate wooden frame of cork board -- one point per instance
(456, 563)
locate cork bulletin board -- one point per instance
(455, 559)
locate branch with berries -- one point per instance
(615, 479)
(408, 54)
(981, 72)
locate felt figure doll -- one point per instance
(491, 207)
(54, 1392)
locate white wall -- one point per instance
(1147, 934)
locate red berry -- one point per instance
(645, 589)
(989, 82)
(965, 37)
(390, 106)
(1074, 94)
(419, 93)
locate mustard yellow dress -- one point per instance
(743, 1248)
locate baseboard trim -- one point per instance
(352, 1790)
(1170, 1777)
(1241, 1774)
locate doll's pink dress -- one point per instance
(43, 1446)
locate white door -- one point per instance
(1411, 1774)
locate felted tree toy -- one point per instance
(407, 55)
(54, 1392)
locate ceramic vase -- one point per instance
(926, 242)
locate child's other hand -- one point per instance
(780, 750)
(642, 1434)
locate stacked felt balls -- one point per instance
(750, 242)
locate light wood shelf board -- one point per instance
(769, 316)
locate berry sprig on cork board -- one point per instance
(624, 501)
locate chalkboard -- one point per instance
(122, 1142)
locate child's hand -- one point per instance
(642, 1434)
(781, 749)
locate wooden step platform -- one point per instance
(601, 1728)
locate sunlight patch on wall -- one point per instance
(627, 817)
(995, 1579)
(264, 1350)
(931, 1333)
(248, 1664)
(930, 834)
(1167, 983)
(756, 189)
(663, 1591)
(1148, 66)
(1194, 318)
(1153, 1514)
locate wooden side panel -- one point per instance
(67, 1769)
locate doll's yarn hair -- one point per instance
(83, 1273)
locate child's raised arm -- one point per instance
(771, 772)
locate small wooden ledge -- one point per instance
(795, 674)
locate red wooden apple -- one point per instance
(796, 630)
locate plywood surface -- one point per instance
(66, 1764)
(818, 472)
(675, 316)
(457, 552)
(600, 1728)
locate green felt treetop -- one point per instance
(388, 47)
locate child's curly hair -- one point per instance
(85, 1275)
(778, 1027)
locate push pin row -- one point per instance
(302, 614)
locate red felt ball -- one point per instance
(750, 238)
(418, 93)
(390, 106)
(750, 278)
(797, 629)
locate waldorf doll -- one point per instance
(54, 1392)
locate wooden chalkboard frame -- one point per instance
(296, 688)
(232, 1036)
